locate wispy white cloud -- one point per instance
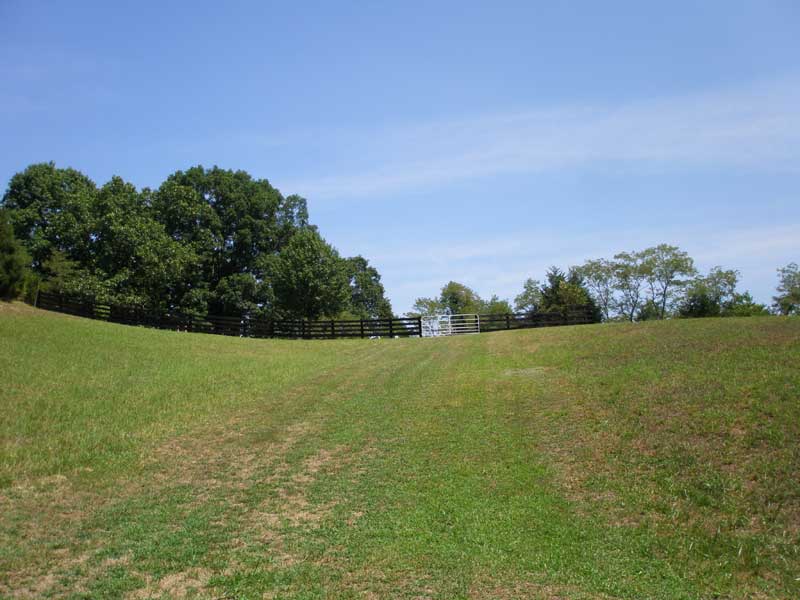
(757, 127)
(749, 245)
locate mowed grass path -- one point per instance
(618, 461)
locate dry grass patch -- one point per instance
(175, 585)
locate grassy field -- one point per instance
(658, 460)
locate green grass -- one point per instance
(658, 460)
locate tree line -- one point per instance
(206, 241)
(662, 282)
(559, 292)
(457, 298)
(215, 241)
(655, 283)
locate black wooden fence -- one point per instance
(237, 326)
(574, 315)
(298, 329)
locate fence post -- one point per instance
(333, 329)
(508, 322)
(391, 327)
(362, 328)
(419, 326)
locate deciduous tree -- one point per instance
(367, 296)
(788, 299)
(599, 277)
(496, 306)
(707, 296)
(206, 240)
(458, 298)
(309, 278)
(424, 307)
(743, 305)
(530, 299)
(50, 209)
(630, 275)
(667, 271)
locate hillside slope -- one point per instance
(657, 460)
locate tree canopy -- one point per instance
(457, 298)
(662, 282)
(205, 241)
(309, 277)
(367, 296)
(530, 299)
(217, 241)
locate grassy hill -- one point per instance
(658, 460)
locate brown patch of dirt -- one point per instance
(174, 585)
(290, 512)
(292, 506)
(353, 518)
(28, 585)
(114, 562)
(33, 589)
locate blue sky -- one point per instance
(477, 142)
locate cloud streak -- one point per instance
(754, 128)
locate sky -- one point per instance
(476, 142)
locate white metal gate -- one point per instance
(438, 325)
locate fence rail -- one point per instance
(575, 315)
(294, 329)
(236, 326)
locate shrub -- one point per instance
(14, 261)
